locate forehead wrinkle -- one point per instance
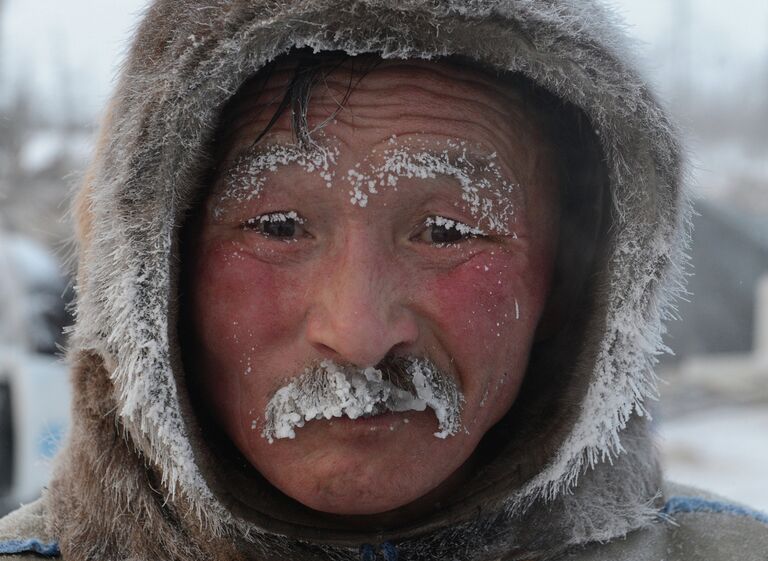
(502, 128)
(477, 116)
(502, 132)
(378, 93)
(432, 75)
(450, 128)
(454, 87)
(391, 100)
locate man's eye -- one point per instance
(281, 225)
(440, 231)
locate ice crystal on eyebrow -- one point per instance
(493, 211)
(358, 196)
(330, 390)
(486, 191)
(245, 179)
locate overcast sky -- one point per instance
(43, 42)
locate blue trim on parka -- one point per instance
(687, 505)
(50, 549)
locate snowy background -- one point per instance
(709, 61)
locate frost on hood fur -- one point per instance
(136, 481)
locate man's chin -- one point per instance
(361, 496)
(385, 493)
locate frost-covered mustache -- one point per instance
(328, 390)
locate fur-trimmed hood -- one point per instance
(135, 480)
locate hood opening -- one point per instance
(558, 374)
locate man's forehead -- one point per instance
(350, 74)
(407, 95)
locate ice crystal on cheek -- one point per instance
(329, 391)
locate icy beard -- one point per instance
(327, 390)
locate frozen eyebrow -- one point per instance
(486, 190)
(245, 178)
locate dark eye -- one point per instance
(442, 234)
(281, 225)
(441, 231)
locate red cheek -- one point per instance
(482, 298)
(242, 306)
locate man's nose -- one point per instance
(359, 309)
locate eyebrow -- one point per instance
(480, 169)
(478, 175)
(255, 152)
(251, 159)
(400, 162)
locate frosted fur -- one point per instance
(330, 390)
(189, 58)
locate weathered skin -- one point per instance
(356, 284)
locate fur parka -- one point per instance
(137, 480)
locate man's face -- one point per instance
(422, 225)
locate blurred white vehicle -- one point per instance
(34, 389)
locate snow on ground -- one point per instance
(723, 450)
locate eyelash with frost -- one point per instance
(280, 217)
(449, 224)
